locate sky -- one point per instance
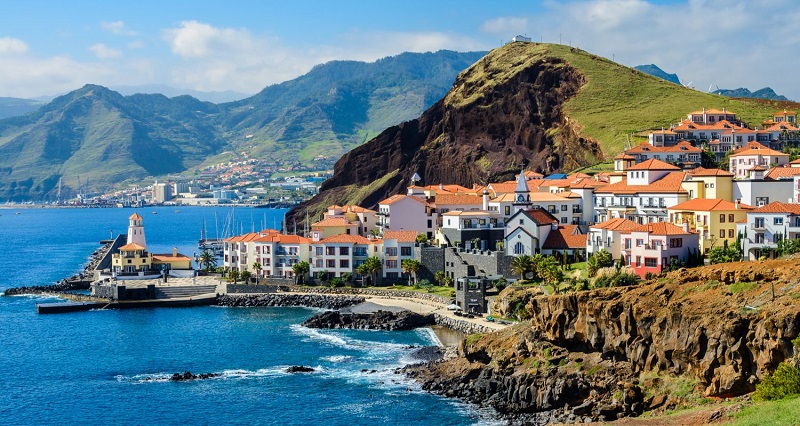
(53, 47)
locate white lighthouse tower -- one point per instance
(136, 230)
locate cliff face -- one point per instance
(718, 328)
(502, 112)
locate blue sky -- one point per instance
(52, 47)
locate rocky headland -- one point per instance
(79, 281)
(608, 353)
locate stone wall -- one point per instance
(470, 263)
(422, 297)
(431, 261)
(255, 288)
(465, 327)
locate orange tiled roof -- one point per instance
(660, 228)
(755, 148)
(401, 236)
(134, 216)
(346, 238)
(778, 207)
(398, 197)
(356, 209)
(616, 224)
(709, 204)
(132, 247)
(453, 189)
(454, 199)
(565, 237)
(529, 174)
(653, 164)
(331, 221)
(541, 216)
(273, 236)
(682, 146)
(779, 173)
(165, 257)
(671, 183)
(701, 171)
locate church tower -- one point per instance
(522, 196)
(136, 230)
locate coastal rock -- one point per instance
(299, 369)
(380, 320)
(281, 299)
(187, 375)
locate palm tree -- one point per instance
(439, 277)
(300, 270)
(522, 265)
(373, 266)
(207, 260)
(411, 267)
(257, 268)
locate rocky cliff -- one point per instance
(502, 112)
(606, 353)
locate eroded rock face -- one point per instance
(380, 320)
(476, 133)
(589, 355)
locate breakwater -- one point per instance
(79, 281)
(284, 299)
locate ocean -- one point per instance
(113, 367)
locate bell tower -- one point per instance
(522, 196)
(136, 230)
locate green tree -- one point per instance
(207, 260)
(300, 269)
(522, 265)
(245, 275)
(439, 277)
(422, 238)
(548, 269)
(601, 259)
(233, 275)
(372, 266)
(410, 267)
(725, 253)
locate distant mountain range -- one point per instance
(12, 107)
(171, 92)
(99, 135)
(765, 93)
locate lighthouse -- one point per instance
(136, 230)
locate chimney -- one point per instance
(738, 203)
(174, 252)
(485, 200)
(685, 226)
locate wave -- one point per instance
(235, 374)
(336, 358)
(337, 339)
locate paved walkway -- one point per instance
(428, 307)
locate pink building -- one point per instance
(651, 247)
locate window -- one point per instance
(519, 248)
(344, 263)
(722, 218)
(344, 251)
(759, 222)
(650, 262)
(318, 251)
(563, 220)
(330, 263)
(676, 242)
(730, 218)
(639, 242)
(391, 251)
(330, 251)
(627, 243)
(762, 201)
(759, 238)
(391, 264)
(405, 251)
(564, 208)
(722, 233)
(318, 263)
(778, 221)
(730, 233)
(638, 261)
(507, 210)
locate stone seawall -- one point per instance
(423, 297)
(306, 300)
(465, 327)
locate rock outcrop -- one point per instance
(590, 355)
(273, 299)
(380, 320)
(503, 111)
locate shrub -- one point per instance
(650, 276)
(784, 382)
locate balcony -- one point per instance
(577, 210)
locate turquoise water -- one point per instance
(112, 367)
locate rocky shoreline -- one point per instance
(79, 281)
(380, 320)
(283, 299)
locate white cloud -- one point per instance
(197, 40)
(505, 26)
(136, 44)
(118, 28)
(12, 45)
(104, 52)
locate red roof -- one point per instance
(346, 238)
(395, 198)
(331, 221)
(456, 199)
(671, 183)
(653, 164)
(132, 247)
(700, 171)
(541, 216)
(778, 207)
(710, 204)
(682, 146)
(616, 224)
(401, 236)
(565, 237)
(660, 228)
(778, 173)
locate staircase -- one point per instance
(172, 292)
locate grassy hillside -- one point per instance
(615, 100)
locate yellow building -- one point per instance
(709, 183)
(131, 258)
(714, 219)
(171, 261)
